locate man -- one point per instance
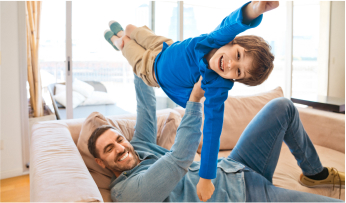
(144, 171)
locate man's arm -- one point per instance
(166, 172)
(197, 92)
(146, 124)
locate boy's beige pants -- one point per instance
(141, 52)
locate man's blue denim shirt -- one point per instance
(171, 175)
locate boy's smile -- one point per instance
(230, 62)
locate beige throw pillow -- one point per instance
(239, 111)
(167, 124)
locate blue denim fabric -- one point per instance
(259, 189)
(171, 175)
(259, 148)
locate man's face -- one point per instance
(116, 153)
(231, 62)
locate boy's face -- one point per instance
(230, 62)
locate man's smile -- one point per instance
(123, 157)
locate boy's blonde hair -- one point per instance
(262, 64)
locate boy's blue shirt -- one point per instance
(179, 66)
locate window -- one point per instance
(166, 24)
(204, 17)
(166, 19)
(306, 42)
(95, 60)
(52, 42)
(52, 46)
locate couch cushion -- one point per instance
(82, 87)
(77, 98)
(98, 98)
(287, 171)
(167, 122)
(239, 111)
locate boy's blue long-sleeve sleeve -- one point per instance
(213, 114)
(179, 66)
(231, 26)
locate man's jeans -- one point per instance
(259, 148)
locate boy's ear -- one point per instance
(100, 162)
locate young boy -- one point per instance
(218, 59)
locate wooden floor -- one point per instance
(15, 189)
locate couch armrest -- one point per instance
(324, 128)
(57, 170)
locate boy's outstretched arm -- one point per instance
(256, 8)
(246, 17)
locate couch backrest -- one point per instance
(239, 111)
(324, 128)
(75, 125)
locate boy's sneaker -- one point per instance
(108, 35)
(115, 27)
(334, 179)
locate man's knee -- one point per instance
(282, 103)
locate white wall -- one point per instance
(336, 86)
(11, 126)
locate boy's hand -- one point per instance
(205, 189)
(197, 92)
(256, 8)
(260, 7)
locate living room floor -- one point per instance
(16, 189)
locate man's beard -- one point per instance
(121, 168)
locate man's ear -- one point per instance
(100, 162)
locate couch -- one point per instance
(60, 170)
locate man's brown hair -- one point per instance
(262, 64)
(96, 134)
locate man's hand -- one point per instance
(197, 92)
(256, 8)
(205, 189)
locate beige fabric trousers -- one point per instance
(141, 52)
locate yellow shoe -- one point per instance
(334, 179)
